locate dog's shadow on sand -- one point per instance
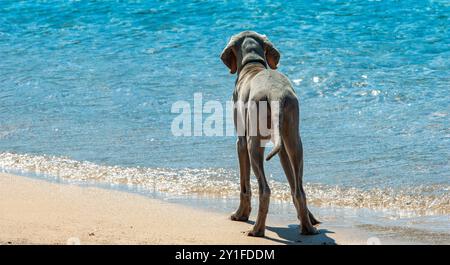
(290, 235)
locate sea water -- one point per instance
(87, 88)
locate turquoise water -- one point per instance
(95, 81)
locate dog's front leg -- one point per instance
(243, 212)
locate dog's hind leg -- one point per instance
(286, 164)
(243, 212)
(294, 150)
(313, 219)
(256, 152)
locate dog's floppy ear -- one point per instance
(228, 57)
(272, 54)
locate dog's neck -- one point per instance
(249, 69)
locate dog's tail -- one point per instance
(277, 121)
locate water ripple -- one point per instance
(217, 182)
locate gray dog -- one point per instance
(253, 57)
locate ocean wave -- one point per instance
(223, 183)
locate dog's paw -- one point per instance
(256, 233)
(239, 217)
(309, 231)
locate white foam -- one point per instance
(224, 183)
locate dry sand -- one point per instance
(35, 211)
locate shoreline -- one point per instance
(34, 211)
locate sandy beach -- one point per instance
(34, 211)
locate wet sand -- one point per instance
(34, 211)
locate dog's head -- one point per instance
(249, 46)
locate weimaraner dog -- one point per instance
(254, 58)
